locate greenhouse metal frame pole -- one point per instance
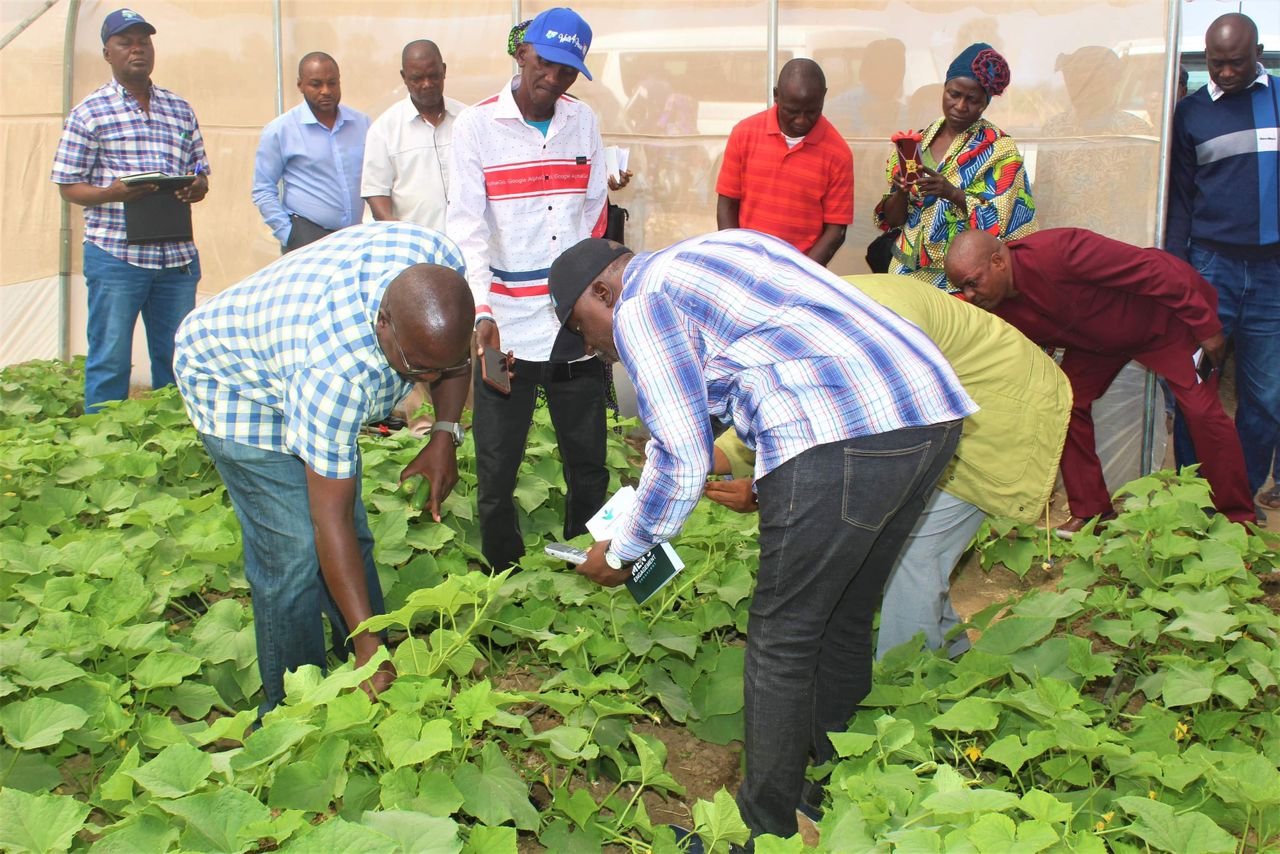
(26, 22)
(772, 53)
(1173, 57)
(64, 209)
(277, 33)
(515, 19)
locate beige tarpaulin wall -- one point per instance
(671, 80)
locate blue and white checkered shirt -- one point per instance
(288, 360)
(742, 326)
(107, 136)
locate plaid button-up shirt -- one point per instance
(288, 361)
(740, 325)
(107, 136)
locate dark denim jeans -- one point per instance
(269, 493)
(118, 292)
(832, 522)
(575, 395)
(1249, 308)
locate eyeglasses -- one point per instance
(424, 374)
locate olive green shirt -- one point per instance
(1007, 459)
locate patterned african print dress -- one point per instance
(985, 163)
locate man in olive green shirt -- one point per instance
(1005, 465)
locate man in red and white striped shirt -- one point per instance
(527, 182)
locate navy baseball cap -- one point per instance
(560, 35)
(121, 20)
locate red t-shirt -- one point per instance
(790, 193)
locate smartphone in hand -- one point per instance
(495, 370)
(566, 553)
(910, 159)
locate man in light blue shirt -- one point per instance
(306, 177)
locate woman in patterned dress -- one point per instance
(972, 175)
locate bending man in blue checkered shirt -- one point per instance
(853, 414)
(279, 373)
(130, 126)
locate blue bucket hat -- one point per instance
(560, 35)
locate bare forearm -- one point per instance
(727, 212)
(381, 207)
(831, 239)
(720, 462)
(894, 209)
(341, 562)
(448, 395)
(87, 195)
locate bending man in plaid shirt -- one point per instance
(126, 127)
(278, 373)
(853, 415)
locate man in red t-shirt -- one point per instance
(1108, 302)
(787, 172)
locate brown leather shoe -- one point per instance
(1072, 526)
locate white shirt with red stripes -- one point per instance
(516, 201)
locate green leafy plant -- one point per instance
(1131, 709)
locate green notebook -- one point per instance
(653, 571)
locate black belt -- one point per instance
(555, 372)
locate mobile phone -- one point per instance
(495, 370)
(1204, 367)
(569, 554)
(909, 157)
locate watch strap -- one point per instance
(453, 428)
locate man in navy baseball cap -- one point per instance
(560, 35)
(124, 19)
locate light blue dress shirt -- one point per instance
(319, 168)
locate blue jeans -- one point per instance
(118, 292)
(269, 493)
(1249, 308)
(832, 522)
(917, 598)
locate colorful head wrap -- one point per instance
(516, 36)
(981, 62)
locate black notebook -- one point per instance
(159, 216)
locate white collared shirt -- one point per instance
(517, 199)
(407, 158)
(1215, 91)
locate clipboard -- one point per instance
(165, 182)
(158, 217)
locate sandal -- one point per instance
(1271, 498)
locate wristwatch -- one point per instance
(614, 562)
(453, 428)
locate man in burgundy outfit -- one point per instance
(1107, 303)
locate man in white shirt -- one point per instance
(406, 154)
(528, 181)
(406, 163)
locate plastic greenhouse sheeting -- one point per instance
(671, 79)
